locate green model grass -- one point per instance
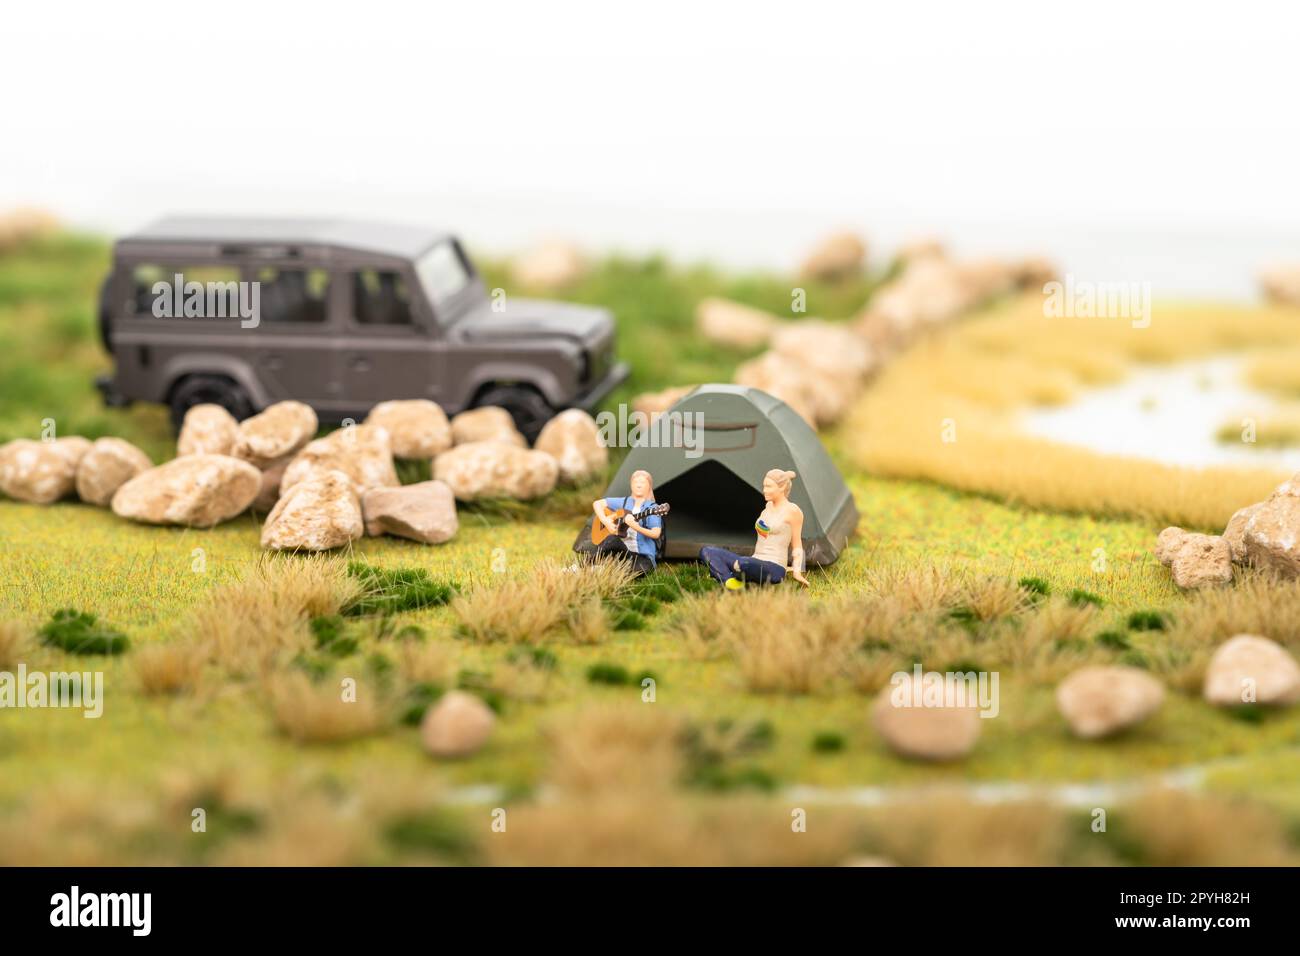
(144, 580)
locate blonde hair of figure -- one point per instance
(781, 478)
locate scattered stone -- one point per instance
(551, 265)
(837, 256)
(929, 291)
(1235, 532)
(207, 430)
(275, 433)
(492, 469)
(733, 325)
(829, 348)
(110, 463)
(41, 472)
(1203, 560)
(787, 379)
(914, 250)
(573, 440)
(924, 733)
(417, 428)
(654, 404)
(196, 491)
(1196, 560)
(319, 513)
(424, 512)
(489, 423)
(362, 452)
(1249, 669)
(985, 278)
(1167, 544)
(457, 725)
(1272, 533)
(1281, 284)
(1099, 701)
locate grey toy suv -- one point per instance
(339, 315)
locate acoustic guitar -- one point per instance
(599, 532)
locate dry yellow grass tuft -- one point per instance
(624, 748)
(588, 621)
(950, 831)
(555, 599)
(782, 643)
(1174, 828)
(1257, 603)
(1276, 371)
(14, 643)
(321, 713)
(945, 411)
(426, 662)
(654, 829)
(914, 588)
(941, 618)
(616, 772)
(172, 668)
(258, 622)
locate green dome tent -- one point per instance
(708, 455)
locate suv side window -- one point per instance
(293, 295)
(219, 282)
(380, 297)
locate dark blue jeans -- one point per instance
(722, 563)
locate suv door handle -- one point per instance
(359, 363)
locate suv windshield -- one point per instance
(443, 274)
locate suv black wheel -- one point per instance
(525, 405)
(209, 389)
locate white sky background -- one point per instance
(1156, 144)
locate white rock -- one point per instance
(838, 255)
(1202, 560)
(829, 348)
(457, 725)
(424, 512)
(490, 469)
(110, 463)
(816, 400)
(1250, 669)
(278, 431)
(1099, 701)
(924, 733)
(1235, 532)
(573, 440)
(41, 472)
(197, 491)
(1272, 532)
(319, 513)
(488, 423)
(733, 325)
(207, 430)
(362, 452)
(418, 428)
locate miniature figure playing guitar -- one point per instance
(629, 528)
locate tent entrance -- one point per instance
(710, 505)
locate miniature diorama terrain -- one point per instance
(439, 677)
